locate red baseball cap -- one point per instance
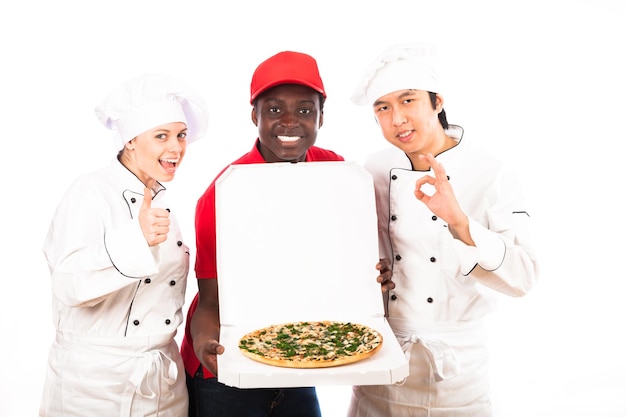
(286, 67)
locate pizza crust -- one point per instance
(310, 344)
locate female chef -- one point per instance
(119, 265)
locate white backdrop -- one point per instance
(540, 83)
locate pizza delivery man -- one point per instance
(287, 97)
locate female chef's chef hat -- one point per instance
(401, 67)
(151, 100)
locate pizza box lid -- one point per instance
(299, 242)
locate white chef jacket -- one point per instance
(116, 303)
(444, 287)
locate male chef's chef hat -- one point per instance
(401, 67)
(151, 100)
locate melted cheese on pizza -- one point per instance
(311, 341)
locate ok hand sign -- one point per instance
(443, 202)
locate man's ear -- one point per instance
(253, 116)
(321, 120)
(438, 103)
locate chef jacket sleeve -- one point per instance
(93, 249)
(503, 258)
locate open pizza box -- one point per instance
(299, 242)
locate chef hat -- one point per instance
(401, 67)
(286, 67)
(151, 100)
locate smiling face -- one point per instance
(409, 121)
(155, 154)
(288, 117)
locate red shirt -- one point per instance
(206, 258)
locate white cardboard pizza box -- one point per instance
(299, 242)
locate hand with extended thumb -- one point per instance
(154, 222)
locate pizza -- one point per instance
(311, 344)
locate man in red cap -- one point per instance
(287, 97)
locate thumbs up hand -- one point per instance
(154, 222)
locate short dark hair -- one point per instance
(442, 115)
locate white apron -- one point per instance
(447, 379)
(136, 377)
